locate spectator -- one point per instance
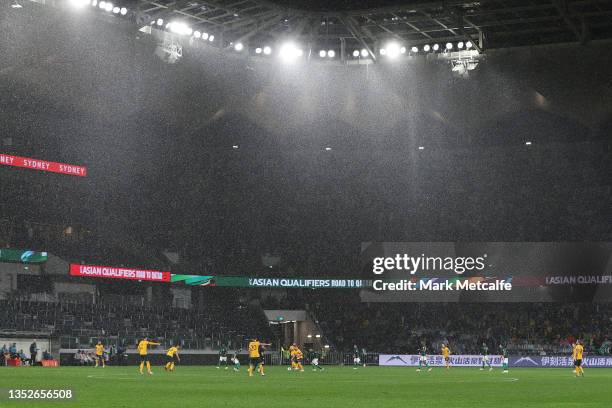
(22, 357)
(4, 354)
(13, 350)
(33, 352)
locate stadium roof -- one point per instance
(367, 23)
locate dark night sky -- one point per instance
(158, 138)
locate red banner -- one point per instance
(42, 165)
(111, 272)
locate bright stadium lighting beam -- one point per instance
(79, 3)
(289, 52)
(393, 50)
(180, 28)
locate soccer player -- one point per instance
(356, 357)
(364, 356)
(100, 354)
(235, 360)
(255, 357)
(172, 357)
(299, 357)
(222, 357)
(504, 355)
(291, 352)
(314, 360)
(423, 358)
(143, 351)
(446, 355)
(484, 351)
(577, 357)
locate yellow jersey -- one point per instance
(445, 352)
(99, 349)
(143, 346)
(254, 349)
(172, 351)
(578, 350)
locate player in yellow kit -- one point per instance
(446, 355)
(100, 354)
(292, 356)
(255, 357)
(172, 356)
(577, 357)
(296, 358)
(143, 350)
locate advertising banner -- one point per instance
(22, 256)
(458, 360)
(254, 282)
(42, 165)
(559, 361)
(111, 272)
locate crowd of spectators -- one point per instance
(528, 328)
(80, 325)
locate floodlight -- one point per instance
(393, 50)
(331, 53)
(211, 38)
(436, 47)
(449, 46)
(238, 46)
(460, 44)
(414, 49)
(356, 53)
(79, 3)
(180, 28)
(426, 48)
(205, 36)
(322, 53)
(267, 50)
(160, 21)
(364, 53)
(197, 34)
(258, 50)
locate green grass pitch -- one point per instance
(378, 387)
